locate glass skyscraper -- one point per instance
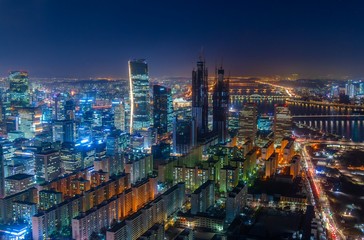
(162, 109)
(139, 95)
(19, 88)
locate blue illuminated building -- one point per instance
(139, 95)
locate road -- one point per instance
(342, 143)
(321, 201)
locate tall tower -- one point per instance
(200, 98)
(19, 88)
(139, 95)
(220, 100)
(162, 109)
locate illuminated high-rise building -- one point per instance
(59, 107)
(200, 98)
(19, 88)
(139, 95)
(220, 100)
(2, 173)
(47, 164)
(64, 131)
(282, 123)
(69, 109)
(162, 109)
(248, 123)
(29, 121)
(184, 135)
(119, 115)
(350, 89)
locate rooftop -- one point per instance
(19, 176)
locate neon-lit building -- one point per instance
(139, 95)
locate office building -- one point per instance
(71, 158)
(350, 89)
(19, 88)
(184, 135)
(282, 126)
(248, 123)
(2, 173)
(139, 95)
(119, 115)
(220, 100)
(30, 121)
(18, 183)
(69, 108)
(47, 164)
(162, 110)
(59, 107)
(64, 131)
(200, 98)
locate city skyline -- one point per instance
(313, 39)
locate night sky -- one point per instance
(85, 39)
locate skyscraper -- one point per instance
(184, 135)
(64, 131)
(59, 107)
(69, 110)
(220, 100)
(350, 89)
(282, 123)
(119, 115)
(200, 98)
(139, 95)
(19, 88)
(248, 123)
(162, 109)
(2, 173)
(30, 121)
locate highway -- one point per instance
(321, 201)
(327, 116)
(330, 142)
